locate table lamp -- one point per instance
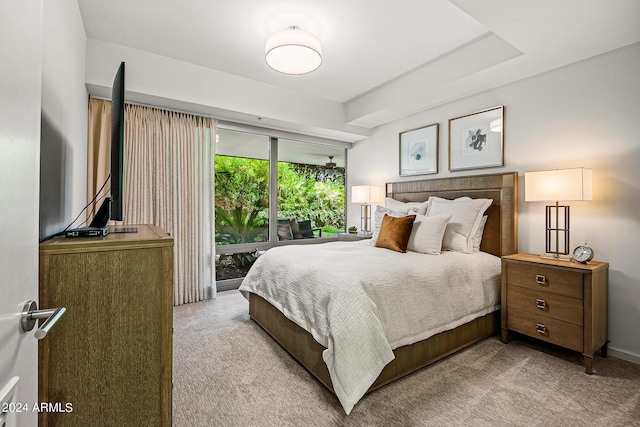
(365, 194)
(558, 185)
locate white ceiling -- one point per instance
(382, 60)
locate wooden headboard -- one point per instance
(501, 232)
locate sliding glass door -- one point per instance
(271, 191)
(311, 183)
(241, 200)
(241, 188)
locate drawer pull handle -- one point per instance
(541, 329)
(540, 279)
(541, 304)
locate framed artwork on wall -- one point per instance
(476, 140)
(419, 151)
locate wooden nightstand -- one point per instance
(564, 303)
(349, 237)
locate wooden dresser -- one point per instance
(564, 303)
(110, 355)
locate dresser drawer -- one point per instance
(556, 306)
(539, 277)
(545, 328)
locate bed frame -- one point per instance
(500, 238)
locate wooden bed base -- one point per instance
(409, 358)
(500, 238)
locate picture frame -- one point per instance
(419, 151)
(476, 140)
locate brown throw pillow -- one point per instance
(395, 232)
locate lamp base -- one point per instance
(557, 257)
(365, 218)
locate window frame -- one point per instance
(228, 284)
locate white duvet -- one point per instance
(360, 302)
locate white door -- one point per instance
(20, 103)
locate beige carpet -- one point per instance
(229, 372)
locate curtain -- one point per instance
(168, 182)
(98, 152)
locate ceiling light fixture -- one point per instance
(293, 51)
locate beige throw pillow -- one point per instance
(419, 207)
(427, 233)
(466, 215)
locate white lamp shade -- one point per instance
(558, 185)
(293, 51)
(365, 194)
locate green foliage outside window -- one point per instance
(241, 200)
(242, 197)
(303, 195)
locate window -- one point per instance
(255, 173)
(311, 189)
(241, 188)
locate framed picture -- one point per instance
(419, 151)
(476, 140)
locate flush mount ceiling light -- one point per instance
(293, 51)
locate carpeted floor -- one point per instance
(228, 372)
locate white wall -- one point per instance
(63, 163)
(585, 114)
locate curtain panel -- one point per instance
(168, 182)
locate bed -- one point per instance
(307, 343)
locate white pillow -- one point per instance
(420, 207)
(427, 233)
(477, 238)
(378, 216)
(466, 215)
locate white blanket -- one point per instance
(360, 302)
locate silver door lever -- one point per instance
(30, 314)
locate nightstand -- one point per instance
(349, 237)
(564, 303)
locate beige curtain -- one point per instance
(98, 155)
(169, 182)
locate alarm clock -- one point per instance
(583, 254)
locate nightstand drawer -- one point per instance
(545, 328)
(538, 277)
(556, 306)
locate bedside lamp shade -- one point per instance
(558, 185)
(554, 186)
(365, 194)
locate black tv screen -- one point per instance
(117, 145)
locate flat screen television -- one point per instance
(117, 145)
(113, 206)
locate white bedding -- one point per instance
(360, 302)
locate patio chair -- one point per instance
(290, 229)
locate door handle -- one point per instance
(30, 314)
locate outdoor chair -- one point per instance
(290, 229)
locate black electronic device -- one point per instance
(87, 232)
(113, 207)
(117, 145)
